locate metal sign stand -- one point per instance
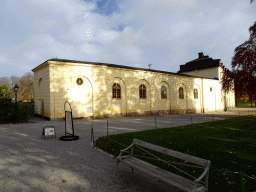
(69, 127)
(48, 130)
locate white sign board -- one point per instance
(49, 131)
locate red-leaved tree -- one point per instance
(243, 73)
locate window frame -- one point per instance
(142, 91)
(163, 95)
(79, 81)
(181, 93)
(116, 91)
(195, 93)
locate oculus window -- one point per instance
(79, 81)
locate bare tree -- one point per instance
(6, 81)
(26, 86)
(14, 80)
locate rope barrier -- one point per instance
(241, 173)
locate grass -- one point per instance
(229, 145)
(245, 104)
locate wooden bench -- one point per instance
(166, 176)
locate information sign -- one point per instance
(49, 130)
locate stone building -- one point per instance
(102, 89)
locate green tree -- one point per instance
(4, 92)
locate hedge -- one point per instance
(7, 112)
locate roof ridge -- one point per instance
(118, 66)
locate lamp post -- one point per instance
(16, 89)
(225, 107)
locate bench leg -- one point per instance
(116, 167)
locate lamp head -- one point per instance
(16, 88)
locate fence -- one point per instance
(190, 118)
(31, 108)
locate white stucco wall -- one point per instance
(94, 97)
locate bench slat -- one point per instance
(168, 177)
(185, 157)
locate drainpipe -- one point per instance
(186, 101)
(54, 91)
(202, 94)
(150, 100)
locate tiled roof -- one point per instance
(116, 66)
(200, 63)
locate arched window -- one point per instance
(163, 92)
(181, 94)
(142, 91)
(116, 91)
(195, 94)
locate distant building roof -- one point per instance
(201, 62)
(116, 66)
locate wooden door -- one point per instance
(42, 108)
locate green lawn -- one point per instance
(245, 104)
(229, 144)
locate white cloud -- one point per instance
(131, 54)
(163, 33)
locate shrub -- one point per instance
(7, 112)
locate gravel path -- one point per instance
(29, 163)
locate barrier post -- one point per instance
(92, 136)
(242, 182)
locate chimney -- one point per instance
(201, 54)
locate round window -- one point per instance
(79, 81)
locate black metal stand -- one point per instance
(69, 138)
(69, 127)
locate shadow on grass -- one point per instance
(229, 144)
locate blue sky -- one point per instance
(164, 33)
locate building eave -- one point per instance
(112, 66)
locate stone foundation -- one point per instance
(132, 114)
